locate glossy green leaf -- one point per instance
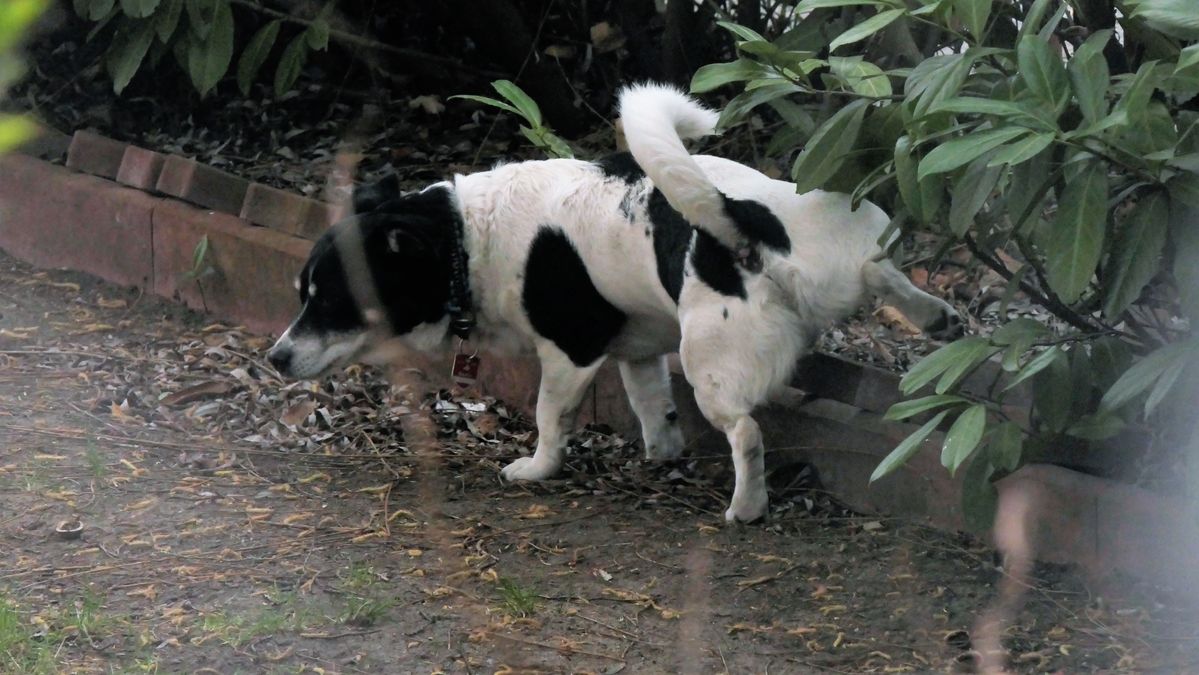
(961, 151)
(1074, 241)
(970, 192)
(1136, 253)
(317, 35)
(1177, 18)
(1089, 76)
(200, 14)
(1187, 57)
(128, 49)
(255, 54)
(1053, 394)
(741, 31)
(1037, 364)
(980, 498)
(906, 164)
(138, 9)
(808, 5)
(827, 149)
(487, 100)
(715, 75)
(98, 9)
(1021, 150)
(866, 28)
(1006, 446)
(906, 449)
(1146, 373)
(208, 60)
(862, 77)
(963, 437)
(1032, 20)
(166, 19)
(973, 13)
(1096, 427)
(966, 351)
(527, 107)
(1042, 70)
(906, 409)
(290, 64)
(743, 103)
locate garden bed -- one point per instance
(237, 522)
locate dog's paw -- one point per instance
(665, 446)
(528, 468)
(746, 508)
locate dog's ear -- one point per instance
(367, 198)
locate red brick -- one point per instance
(140, 168)
(320, 217)
(92, 153)
(254, 267)
(48, 143)
(1103, 525)
(285, 211)
(201, 184)
(53, 217)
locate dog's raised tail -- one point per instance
(656, 119)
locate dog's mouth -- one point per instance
(306, 358)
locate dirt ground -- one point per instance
(235, 523)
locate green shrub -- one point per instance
(201, 37)
(16, 17)
(1008, 131)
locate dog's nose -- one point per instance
(948, 327)
(280, 358)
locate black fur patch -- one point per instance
(716, 266)
(563, 304)
(757, 223)
(672, 236)
(411, 281)
(369, 197)
(621, 166)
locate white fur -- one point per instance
(735, 352)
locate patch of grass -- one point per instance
(287, 614)
(363, 612)
(517, 600)
(359, 578)
(22, 650)
(95, 460)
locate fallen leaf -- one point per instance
(894, 319)
(297, 413)
(430, 104)
(196, 392)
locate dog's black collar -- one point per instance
(460, 307)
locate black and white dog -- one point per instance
(630, 257)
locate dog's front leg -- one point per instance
(562, 387)
(647, 384)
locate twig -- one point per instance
(531, 526)
(562, 648)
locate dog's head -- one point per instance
(375, 279)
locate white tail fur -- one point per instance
(656, 119)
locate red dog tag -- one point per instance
(465, 371)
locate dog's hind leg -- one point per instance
(562, 387)
(647, 383)
(931, 314)
(734, 364)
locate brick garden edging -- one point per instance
(134, 217)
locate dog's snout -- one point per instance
(947, 327)
(280, 357)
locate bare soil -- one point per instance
(236, 523)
